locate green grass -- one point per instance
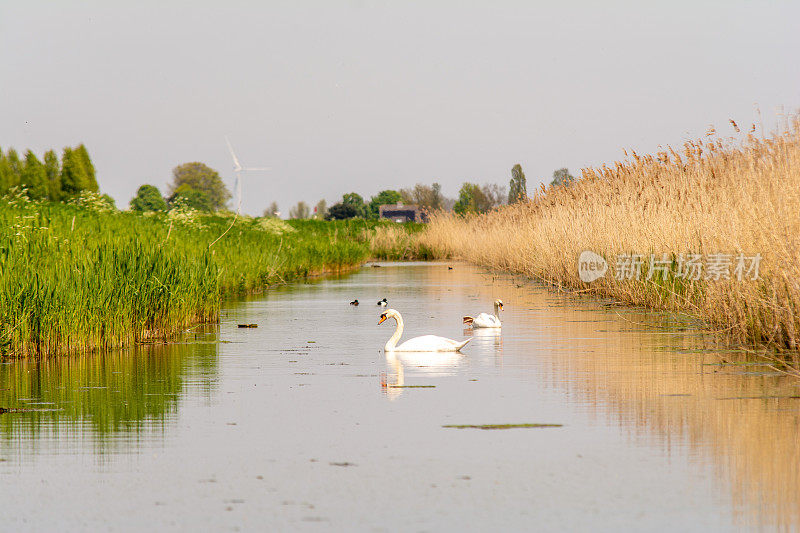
(75, 279)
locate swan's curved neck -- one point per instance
(398, 332)
(496, 311)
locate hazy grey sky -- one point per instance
(365, 95)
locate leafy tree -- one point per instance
(492, 195)
(561, 177)
(383, 198)
(341, 211)
(194, 198)
(475, 199)
(321, 209)
(301, 210)
(204, 181)
(52, 169)
(91, 180)
(272, 211)
(34, 177)
(426, 197)
(148, 198)
(517, 187)
(74, 178)
(466, 199)
(355, 201)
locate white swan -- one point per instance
(485, 320)
(426, 343)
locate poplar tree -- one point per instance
(52, 169)
(15, 168)
(73, 174)
(34, 177)
(91, 180)
(517, 187)
(5, 173)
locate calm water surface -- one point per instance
(287, 426)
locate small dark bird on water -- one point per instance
(354, 302)
(449, 268)
(383, 303)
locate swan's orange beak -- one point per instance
(383, 317)
(501, 307)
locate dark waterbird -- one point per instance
(354, 302)
(383, 303)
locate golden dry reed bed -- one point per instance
(726, 197)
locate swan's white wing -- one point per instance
(485, 320)
(431, 343)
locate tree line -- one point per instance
(201, 187)
(51, 178)
(472, 198)
(193, 184)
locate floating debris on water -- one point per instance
(248, 325)
(343, 464)
(501, 426)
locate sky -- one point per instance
(363, 95)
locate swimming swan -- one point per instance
(485, 320)
(426, 343)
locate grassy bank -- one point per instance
(74, 278)
(713, 197)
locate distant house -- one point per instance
(402, 213)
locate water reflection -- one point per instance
(106, 396)
(664, 384)
(422, 365)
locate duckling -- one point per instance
(383, 303)
(354, 302)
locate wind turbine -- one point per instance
(238, 169)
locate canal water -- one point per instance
(288, 426)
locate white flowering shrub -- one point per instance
(275, 226)
(185, 215)
(18, 197)
(93, 201)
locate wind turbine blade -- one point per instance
(236, 164)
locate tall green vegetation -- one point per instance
(52, 170)
(34, 177)
(78, 277)
(75, 176)
(517, 187)
(14, 166)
